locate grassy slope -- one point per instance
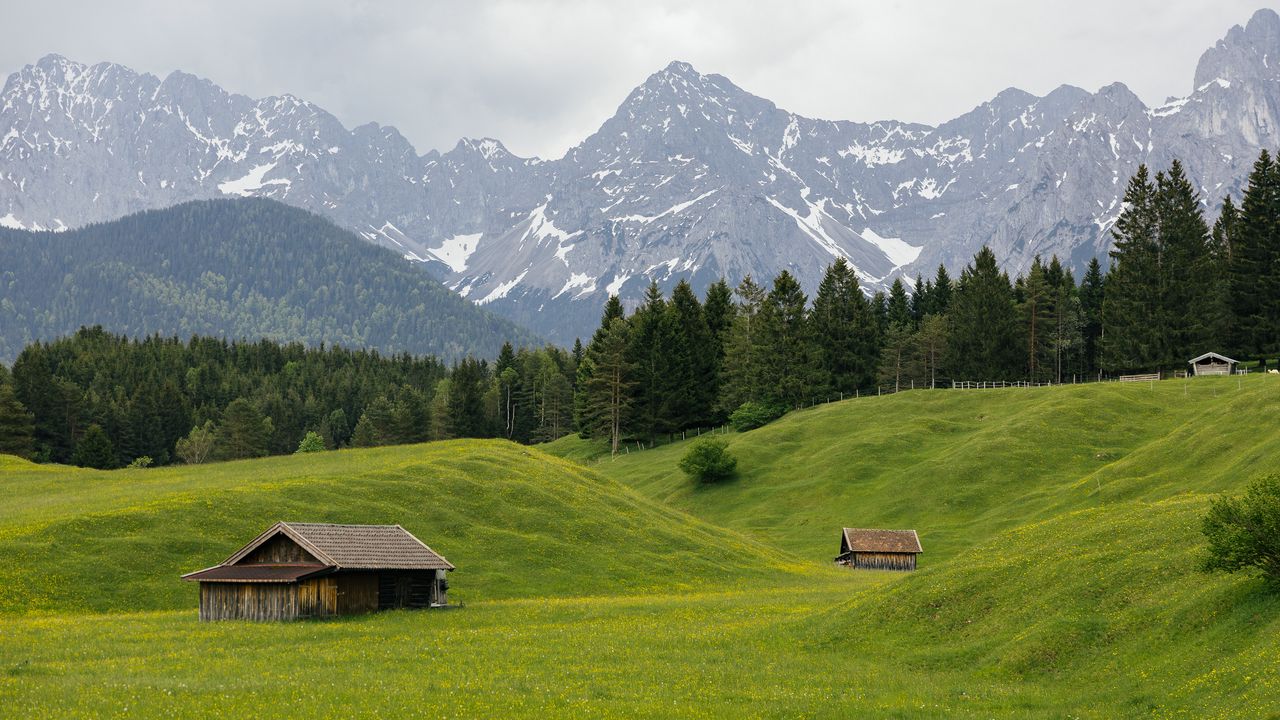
(1061, 527)
(961, 466)
(517, 523)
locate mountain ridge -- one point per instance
(691, 178)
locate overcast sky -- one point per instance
(542, 75)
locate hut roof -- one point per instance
(888, 541)
(335, 547)
(1214, 356)
(258, 573)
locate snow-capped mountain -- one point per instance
(693, 177)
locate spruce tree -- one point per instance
(1090, 297)
(692, 376)
(94, 449)
(718, 308)
(1186, 269)
(846, 344)
(1131, 337)
(899, 307)
(984, 339)
(17, 426)
(1252, 263)
(742, 375)
(652, 356)
(243, 432)
(1036, 320)
(787, 344)
(608, 390)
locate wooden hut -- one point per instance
(878, 549)
(1211, 363)
(300, 570)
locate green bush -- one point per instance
(142, 461)
(708, 460)
(751, 415)
(311, 442)
(1244, 532)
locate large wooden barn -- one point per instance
(878, 549)
(301, 570)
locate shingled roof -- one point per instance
(886, 541)
(363, 547)
(334, 547)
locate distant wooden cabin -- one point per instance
(1211, 363)
(303, 570)
(878, 549)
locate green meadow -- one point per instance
(1060, 529)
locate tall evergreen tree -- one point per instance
(743, 372)
(1090, 297)
(787, 344)
(899, 307)
(17, 426)
(691, 383)
(94, 449)
(845, 337)
(654, 363)
(608, 389)
(1131, 333)
(1253, 264)
(243, 432)
(984, 339)
(1186, 269)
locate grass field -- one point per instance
(1061, 529)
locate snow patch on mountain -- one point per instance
(455, 251)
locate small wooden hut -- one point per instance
(1211, 363)
(300, 570)
(866, 549)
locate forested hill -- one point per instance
(246, 268)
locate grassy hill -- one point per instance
(516, 522)
(961, 466)
(1061, 527)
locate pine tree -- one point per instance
(654, 367)
(692, 376)
(1090, 298)
(930, 348)
(984, 339)
(1036, 319)
(95, 450)
(899, 306)
(364, 434)
(718, 308)
(896, 355)
(1132, 324)
(244, 431)
(1186, 269)
(17, 426)
(1253, 264)
(845, 337)
(786, 343)
(743, 371)
(941, 295)
(608, 390)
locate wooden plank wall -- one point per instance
(318, 597)
(884, 561)
(248, 601)
(357, 592)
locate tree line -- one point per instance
(101, 400)
(1175, 287)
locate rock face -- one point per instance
(693, 177)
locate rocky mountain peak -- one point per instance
(1247, 54)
